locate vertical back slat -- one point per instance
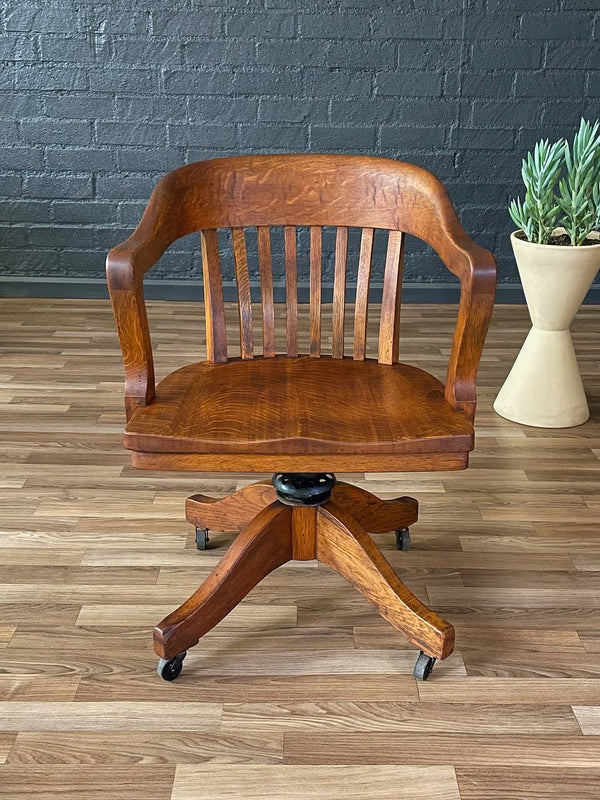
(362, 294)
(291, 291)
(316, 256)
(389, 326)
(266, 290)
(339, 292)
(216, 332)
(244, 297)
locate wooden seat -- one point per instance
(301, 416)
(302, 406)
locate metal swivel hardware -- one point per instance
(304, 488)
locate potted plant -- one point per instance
(557, 249)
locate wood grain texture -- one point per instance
(316, 257)
(193, 782)
(86, 783)
(304, 533)
(523, 784)
(265, 267)
(459, 749)
(361, 305)
(324, 673)
(339, 292)
(236, 510)
(264, 545)
(244, 297)
(128, 748)
(216, 331)
(232, 512)
(343, 545)
(52, 716)
(306, 406)
(345, 462)
(389, 326)
(450, 718)
(291, 291)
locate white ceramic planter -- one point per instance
(544, 387)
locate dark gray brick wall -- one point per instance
(98, 99)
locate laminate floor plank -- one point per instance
(393, 716)
(483, 640)
(82, 716)
(246, 616)
(220, 688)
(499, 663)
(39, 556)
(459, 749)
(69, 576)
(37, 687)
(129, 640)
(86, 783)
(525, 691)
(122, 748)
(528, 783)
(288, 782)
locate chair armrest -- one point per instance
(476, 269)
(125, 267)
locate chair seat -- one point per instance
(299, 406)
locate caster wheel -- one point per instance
(170, 668)
(403, 539)
(202, 538)
(424, 666)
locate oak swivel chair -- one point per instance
(305, 416)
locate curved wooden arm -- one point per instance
(127, 297)
(125, 267)
(476, 269)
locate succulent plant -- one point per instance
(576, 172)
(580, 212)
(538, 214)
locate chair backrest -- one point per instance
(291, 191)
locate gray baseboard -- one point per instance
(95, 288)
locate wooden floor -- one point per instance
(303, 691)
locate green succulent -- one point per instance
(596, 201)
(576, 172)
(576, 199)
(539, 212)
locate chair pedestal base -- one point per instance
(273, 533)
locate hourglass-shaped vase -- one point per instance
(544, 387)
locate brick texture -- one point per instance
(98, 100)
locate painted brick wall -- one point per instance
(98, 99)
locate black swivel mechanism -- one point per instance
(304, 488)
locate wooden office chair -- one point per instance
(300, 416)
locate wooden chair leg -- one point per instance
(236, 511)
(229, 513)
(374, 514)
(265, 543)
(344, 545)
